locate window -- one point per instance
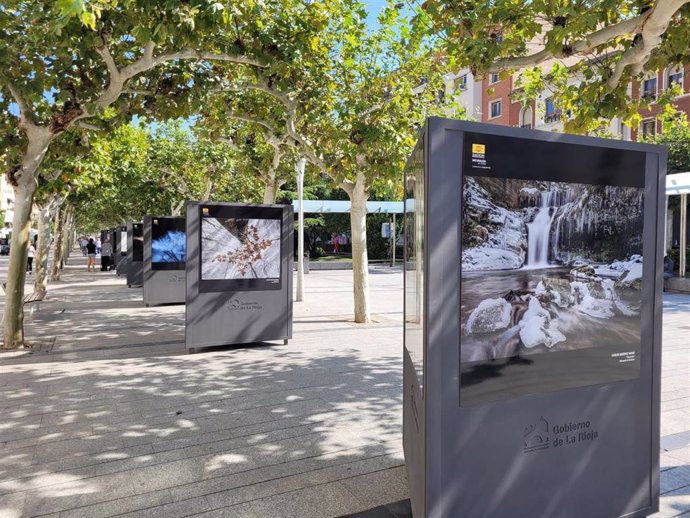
(526, 118)
(461, 82)
(494, 77)
(649, 88)
(648, 128)
(495, 109)
(675, 76)
(551, 114)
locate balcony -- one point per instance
(552, 117)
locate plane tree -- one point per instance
(585, 53)
(70, 63)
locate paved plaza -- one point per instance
(111, 417)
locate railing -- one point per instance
(552, 117)
(526, 126)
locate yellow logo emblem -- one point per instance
(478, 148)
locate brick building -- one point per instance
(490, 100)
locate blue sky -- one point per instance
(374, 6)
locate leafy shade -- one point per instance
(138, 172)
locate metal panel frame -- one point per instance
(135, 269)
(160, 286)
(475, 465)
(236, 317)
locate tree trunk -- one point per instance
(176, 208)
(41, 270)
(208, 190)
(271, 191)
(57, 245)
(24, 182)
(67, 226)
(360, 261)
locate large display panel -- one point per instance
(123, 240)
(137, 242)
(240, 248)
(115, 243)
(239, 274)
(168, 244)
(135, 254)
(164, 260)
(537, 302)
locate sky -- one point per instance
(374, 6)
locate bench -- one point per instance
(31, 298)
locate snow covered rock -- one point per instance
(587, 304)
(618, 268)
(610, 291)
(584, 271)
(495, 237)
(486, 258)
(491, 315)
(632, 278)
(537, 327)
(557, 290)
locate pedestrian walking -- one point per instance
(98, 245)
(82, 245)
(335, 242)
(90, 255)
(30, 258)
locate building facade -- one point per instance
(490, 100)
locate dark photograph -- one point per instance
(168, 244)
(137, 242)
(549, 267)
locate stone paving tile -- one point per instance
(126, 423)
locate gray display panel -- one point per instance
(239, 273)
(122, 245)
(115, 242)
(537, 393)
(135, 254)
(164, 267)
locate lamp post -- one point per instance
(299, 296)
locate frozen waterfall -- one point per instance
(538, 233)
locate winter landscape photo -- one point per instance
(236, 248)
(168, 244)
(549, 266)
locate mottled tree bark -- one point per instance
(57, 245)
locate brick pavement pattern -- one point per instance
(118, 420)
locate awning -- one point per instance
(341, 206)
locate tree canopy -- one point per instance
(585, 52)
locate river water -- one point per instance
(581, 330)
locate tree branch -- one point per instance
(88, 126)
(651, 25)
(119, 77)
(104, 51)
(653, 29)
(245, 117)
(24, 114)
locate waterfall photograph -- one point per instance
(549, 267)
